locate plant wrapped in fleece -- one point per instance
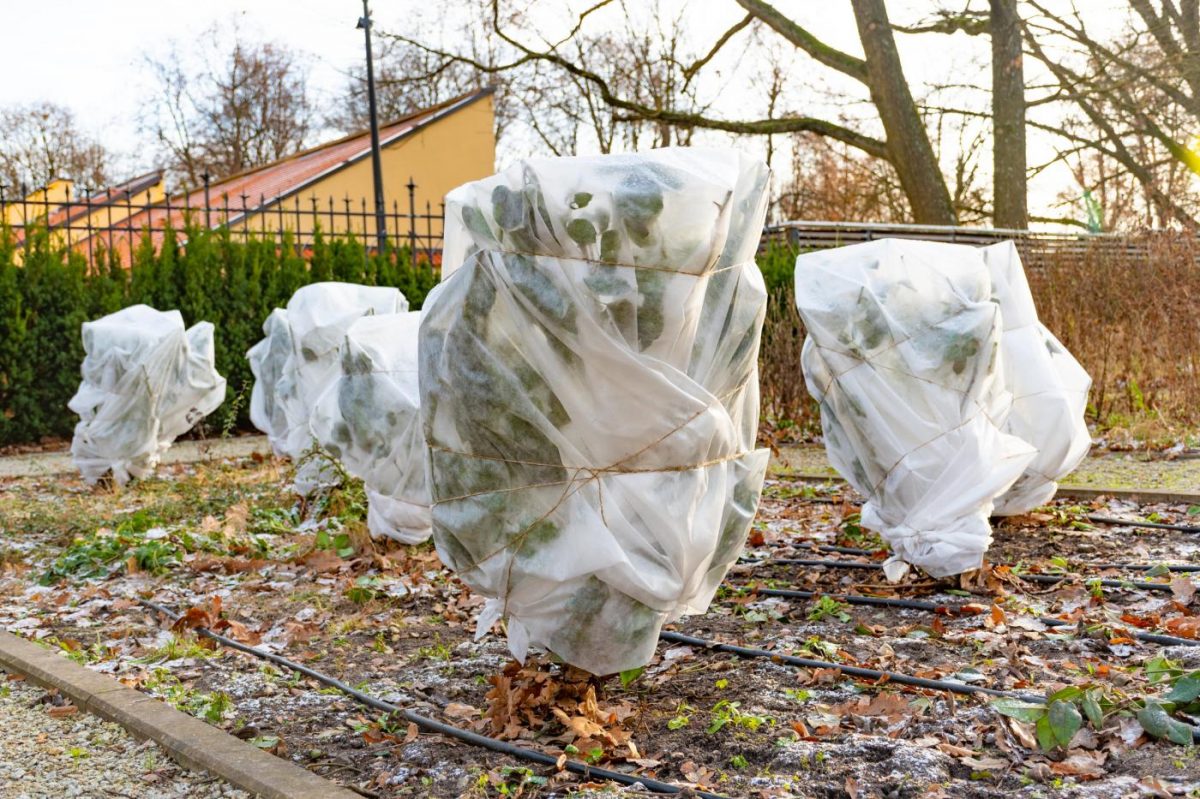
(1050, 388)
(369, 419)
(146, 381)
(300, 357)
(904, 357)
(589, 391)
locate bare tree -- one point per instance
(1009, 167)
(1002, 24)
(1135, 97)
(249, 107)
(906, 146)
(562, 112)
(830, 180)
(407, 79)
(41, 141)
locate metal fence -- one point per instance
(116, 224)
(112, 222)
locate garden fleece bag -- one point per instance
(146, 381)
(1049, 387)
(904, 356)
(300, 357)
(589, 392)
(369, 419)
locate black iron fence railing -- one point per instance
(114, 224)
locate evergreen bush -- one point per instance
(47, 292)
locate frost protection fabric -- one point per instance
(589, 392)
(369, 419)
(904, 357)
(1049, 387)
(146, 381)
(300, 357)
(267, 358)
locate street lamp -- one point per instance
(364, 24)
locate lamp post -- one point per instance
(364, 23)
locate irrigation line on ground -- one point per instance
(582, 769)
(1184, 528)
(1036, 578)
(864, 673)
(1091, 517)
(854, 671)
(949, 610)
(1181, 568)
(433, 725)
(1141, 585)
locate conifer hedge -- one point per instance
(47, 292)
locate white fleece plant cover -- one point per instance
(904, 356)
(300, 357)
(146, 381)
(589, 390)
(267, 358)
(369, 419)
(1049, 387)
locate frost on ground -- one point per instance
(226, 544)
(52, 749)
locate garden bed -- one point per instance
(228, 545)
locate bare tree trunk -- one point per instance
(1008, 118)
(908, 144)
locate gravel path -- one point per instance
(43, 464)
(78, 755)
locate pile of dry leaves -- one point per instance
(550, 703)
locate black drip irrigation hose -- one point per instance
(1037, 578)
(863, 673)
(1058, 578)
(876, 675)
(1097, 518)
(433, 725)
(949, 610)
(582, 769)
(857, 599)
(1183, 528)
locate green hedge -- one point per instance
(47, 292)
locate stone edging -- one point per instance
(188, 740)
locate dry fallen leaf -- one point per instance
(1183, 626)
(457, 710)
(1155, 787)
(1085, 765)
(1023, 733)
(1183, 589)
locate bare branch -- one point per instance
(696, 66)
(829, 56)
(972, 23)
(786, 124)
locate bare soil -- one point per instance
(227, 543)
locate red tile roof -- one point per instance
(79, 207)
(272, 182)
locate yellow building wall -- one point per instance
(53, 199)
(36, 203)
(439, 157)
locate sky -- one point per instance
(89, 55)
